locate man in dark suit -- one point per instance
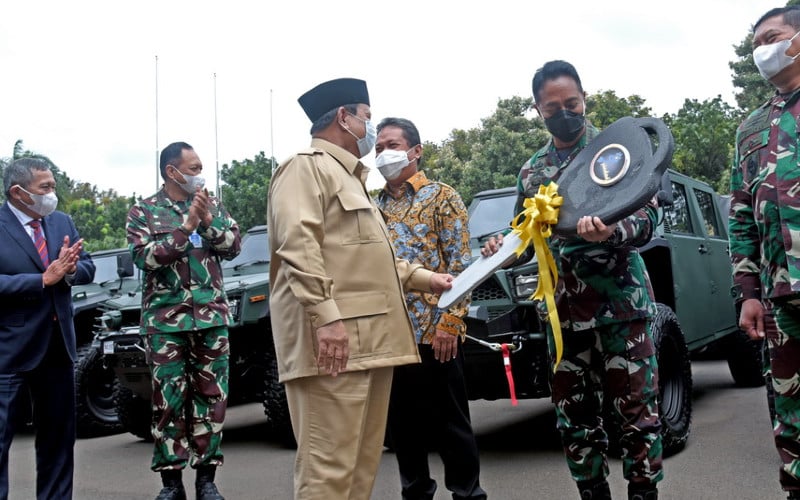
(41, 256)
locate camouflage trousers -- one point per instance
(190, 395)
(609, 371)
(782, 328)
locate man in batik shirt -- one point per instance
(428, 408)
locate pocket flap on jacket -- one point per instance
(353, 201)
(360, 305)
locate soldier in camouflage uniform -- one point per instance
(177, 237)
(763, 223)
(605, 305)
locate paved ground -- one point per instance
(729, 456)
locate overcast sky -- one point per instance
(80, 78)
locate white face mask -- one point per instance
(43, 204)
(391, 162)
(772, 59)
(366, 143)
(193, 182)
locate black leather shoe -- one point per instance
(646, 493)
(173, 489)
(594, 490)
(172, 493)
(204, 484)
(208, 491)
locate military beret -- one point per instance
(332, 94)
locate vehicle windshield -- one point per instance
(105, 268)
(491, 215)
(255, 250)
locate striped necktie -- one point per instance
(40, 242)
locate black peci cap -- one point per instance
(332, 94)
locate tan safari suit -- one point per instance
(331, 259)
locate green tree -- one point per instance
(488, 157)
(703, 133)
(754, 90)
(604, 108)
(244, 193)
(99, 215)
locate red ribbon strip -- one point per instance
(509, 376)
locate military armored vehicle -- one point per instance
(689, 266)
(114, 276)
(253, 369)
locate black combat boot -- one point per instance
(594, 489)
(642, 492)
(173, 486)
(206, 489)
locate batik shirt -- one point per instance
(428, 225)
(765, 206)
(183, 288)
(600, 283)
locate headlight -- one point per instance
(234, 308)
(524, 286)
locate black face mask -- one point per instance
(565, 125)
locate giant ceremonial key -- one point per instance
(612, 177)
(615, 174)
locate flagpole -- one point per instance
(271, 142)
(158, 166)
(216, 141)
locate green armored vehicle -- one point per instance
(690, 270)
(114, 277)
(253, 369)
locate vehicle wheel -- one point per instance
(135, 413)
(94, 395)
(674, 380)
(745, 359)
(275, 406)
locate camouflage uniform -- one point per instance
(605, 305)
(764, 223)
(185, 325)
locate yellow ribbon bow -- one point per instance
(533, 226)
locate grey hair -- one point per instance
(326, 119)
(20, 172)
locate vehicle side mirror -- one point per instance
(664, 195)
(124, 265)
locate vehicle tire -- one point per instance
(135, 413)
(279, 424)
(94, 395)
(745, 359)
(674, 380)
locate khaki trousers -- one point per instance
(339, 424)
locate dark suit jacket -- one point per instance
(26, 308)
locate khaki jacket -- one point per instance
(331, 259)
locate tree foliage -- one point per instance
(604, 108)
(704, 133)
(485, 157)
(98, 215)
(244, 193)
